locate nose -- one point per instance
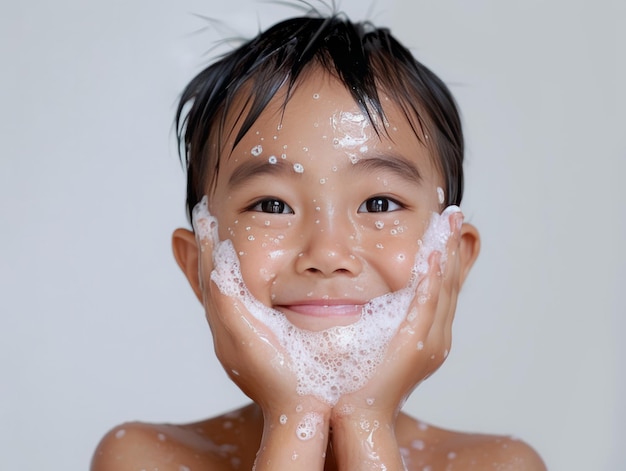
(328, 248)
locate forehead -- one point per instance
(321, 113)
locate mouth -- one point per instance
(324, 308)
(321, 314)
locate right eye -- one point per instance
(272, 206)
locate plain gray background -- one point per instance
(98, 326)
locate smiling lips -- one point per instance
(325, 308)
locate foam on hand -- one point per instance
(341, 359)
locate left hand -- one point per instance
(421, 344)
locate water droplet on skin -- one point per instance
(379, 246)
(422, 426)
(316, 96)
(417, 444)
(445, 353)
(393, 231)
(451, 455)
(298, 168)
(322, 180)
(256, 150)
(440, 195)
(161, 437)
(379, 224)
(299, 406)
(370, 401)
(267, 223)
(283, 156)
(294, 457)
(120, 433)
(250, 237)
(363, 149)
(420, 345)
(182, 467)
(272, 159)
(396, 222)
(283, 419)
(305, 149)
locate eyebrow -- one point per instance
(255, 168)
(388, 162)
(393, 163)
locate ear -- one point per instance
(469, 249)
(186, 254)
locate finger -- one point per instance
(424, 306)
(442, 327)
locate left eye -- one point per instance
(378, 204)
(273, 206)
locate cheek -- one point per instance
(391, 247)
(262, 254)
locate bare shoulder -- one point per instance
(220, 443)
(424, 445)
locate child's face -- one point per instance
(324, 213)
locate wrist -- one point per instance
(365, 439)
(294, 436)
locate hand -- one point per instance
(247, 349)
(416, 351)
(295, 427)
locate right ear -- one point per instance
(186, 253)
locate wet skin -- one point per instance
(319, 233)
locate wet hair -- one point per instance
(366, 59)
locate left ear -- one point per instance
(468, 250)
(186, 254)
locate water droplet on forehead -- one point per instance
(257, 150)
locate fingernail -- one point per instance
(459, 221)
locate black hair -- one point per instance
(365, 59)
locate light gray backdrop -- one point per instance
(97, 325)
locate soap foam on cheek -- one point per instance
(341, 359)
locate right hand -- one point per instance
(248, 350)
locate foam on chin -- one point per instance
(341, 359)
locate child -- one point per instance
(323, 256)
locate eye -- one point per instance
(272, 206)
(379, 204)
